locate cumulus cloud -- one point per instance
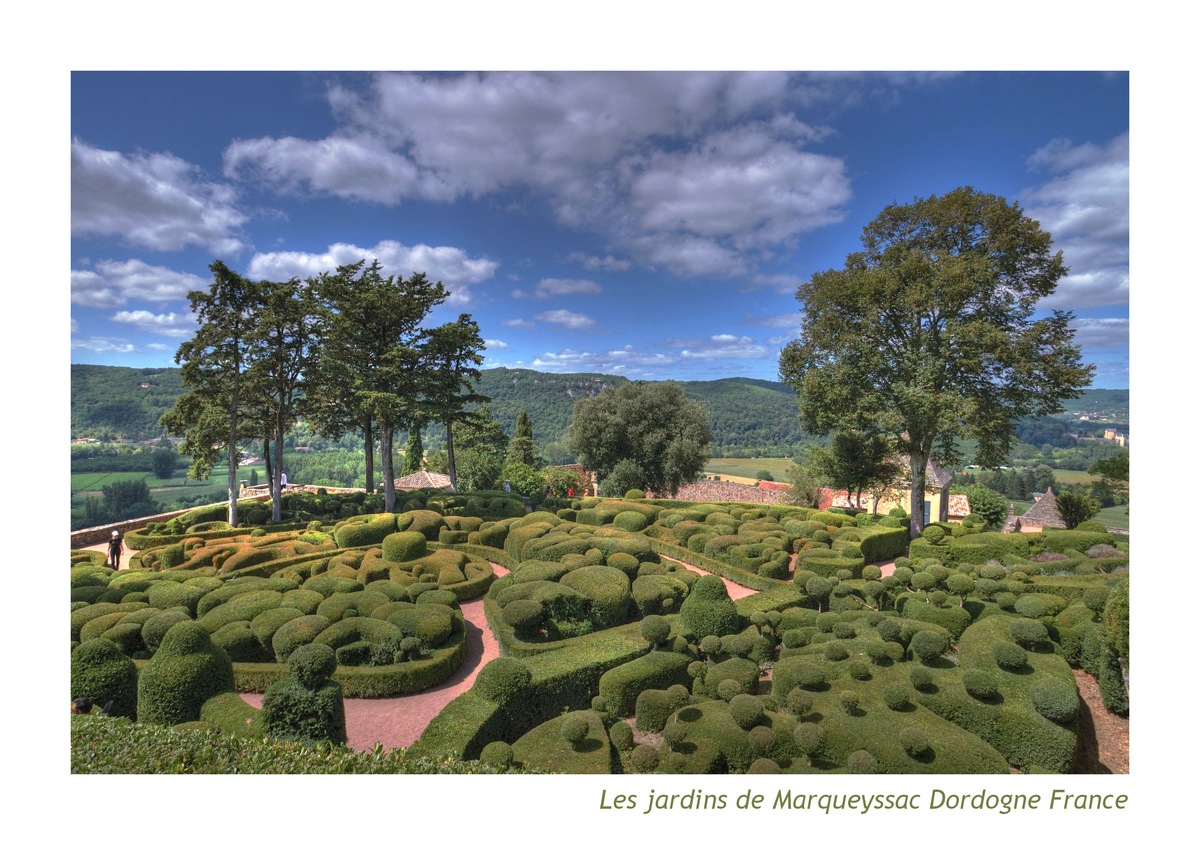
(451, 265)
(626, 361)
(114, 283)
(567, 319)
(153, 200)
(169, 325)
(728, 346)
(519, 324)
(597, 262)
(1102, 333)
(103, 345)
(494, 344)
(1085, 206)
(643, 159)
(564, 287)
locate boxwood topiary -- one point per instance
(980, 684)
(500, 754)
(308, 705)
(1055, 699)
(745, 710)
(503, 680)
(102, 672)
(1009, 656)
(928, 646)
(186, 671)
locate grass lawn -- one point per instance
(162, 490)
(1115, 517)
(1075, 476)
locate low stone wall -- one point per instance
(100, 533)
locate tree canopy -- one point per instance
(651, 425)
(929, 333)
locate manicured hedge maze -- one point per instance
(623, 649)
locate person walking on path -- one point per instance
(114, 550)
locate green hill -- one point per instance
(121, 403)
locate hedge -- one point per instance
(186, 670)
(621, 685)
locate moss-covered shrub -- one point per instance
(503, 680)
(1009, 656)
(102, 672)
(927, 646)
(308, 705)
(186, 671)
(1055, 698)
(708, 610)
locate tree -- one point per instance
(373, 365)
(653, 424)
(805, 490)
(414, 452)
(928, 334)
(1075, 508)
(856, 461)
(522, 449)
(283, 340)
(451, 360)
(163, 461)
(1114, 469)
(988, 504)
(213, 368)
(481, 445)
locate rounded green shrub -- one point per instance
(914, 742)
(312, 665)
(708, 610)
(860, 670)
(809, 738)
(745, 710)
(1009, 656)
(503, 680)
(524, 615)
(849, 701)
(621, 736)
(307, 706)
(895, 697)
(799, 701)
(185, 672)
(102, 672)
(1055, 699)
(928, 646)
(863, 762)
(574, 728)
(835, 651)
(1031, 607)
(980, 684)
(1029, 633)
(644, 759)
(156, 627)
(499, 754)
(295, 633)
(655, 629)
(921, 678)
(404, 546)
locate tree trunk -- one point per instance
(917, 462)
(369, 439)
(450, 455)
(233, 462)
(386, 431)
(277, 477)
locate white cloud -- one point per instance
(519, 324)
(567, 319)
(154, 200)
(564, 287)
(729, 347)
(494, 344)
(644, 159)
(114, 283)
(170, 325)
(1085, 206)
(626, 361)
(596, 262)
(447, 264)
(103, 345)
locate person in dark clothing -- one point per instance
(114, 550)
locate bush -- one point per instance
(503, 680)
(621, 736)
(745, 710)
(644, 759)
(921, 678)
(185, 672)
(102, 672)
(1009, 656)
(525, 617)
(655, 629)
(574, 728)
(862, 762)
(1029, 633)
(980, 684)
(915, 743)
(928, 646)
(404, 546)
(307, 706)
(708, 610)
(895, 697)
(809, 738)
(498, 754)
(1055, 699)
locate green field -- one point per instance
(162, 490)
(748, 467)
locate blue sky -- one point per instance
(654, 225)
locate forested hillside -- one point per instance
(121, 403)
(749, 417)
